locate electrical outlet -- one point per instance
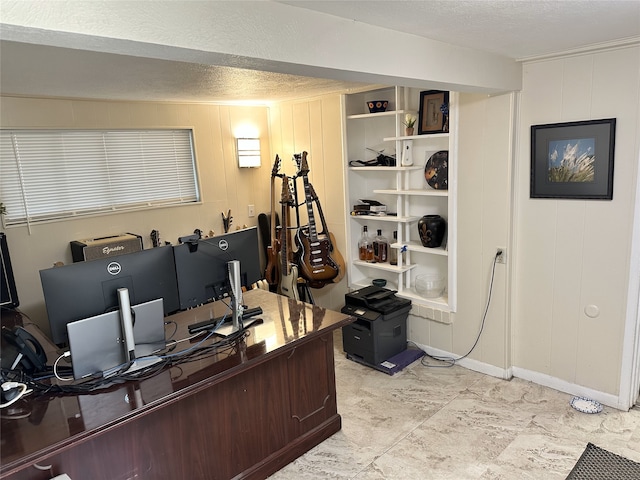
(501, 255)
(252, 211)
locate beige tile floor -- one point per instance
(453, 423)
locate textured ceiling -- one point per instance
(39, 70)
(517, 29)
(513, 28)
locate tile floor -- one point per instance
(453, 423)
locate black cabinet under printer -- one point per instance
(380, 329)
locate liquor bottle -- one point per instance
(380, 248)
(393, 252)
(365, 246)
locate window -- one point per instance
(56, 174)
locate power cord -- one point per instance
(451, 361)
(55, 368)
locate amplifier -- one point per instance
(94, 248)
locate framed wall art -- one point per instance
(573, 160)
(433, 116)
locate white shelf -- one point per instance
(385, 266)
(387, 218)
(417, 247)
(424, 136)
(425, 192)
(386, 113)
(441, 303)
(386, 169)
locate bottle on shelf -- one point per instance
(365, 246)
(380, 248)
(393, 252)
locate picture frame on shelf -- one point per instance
(573, 160)
(433, 116)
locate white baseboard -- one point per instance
(570, 388)
(531, 376)
(470, 363)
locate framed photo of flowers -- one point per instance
(573, 160)
(433, 116)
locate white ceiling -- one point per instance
(516, 29)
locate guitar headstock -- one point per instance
(286, 198)
(276, 166)
(303, 166)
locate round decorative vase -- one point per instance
(408, 131)
(431, 229)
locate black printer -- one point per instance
(380, 329)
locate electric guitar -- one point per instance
(271, 272)
(314, 251)
(288, 285)
(335, 253)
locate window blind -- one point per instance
(56, 174)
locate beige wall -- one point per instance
(223, 185)
(484, 190)
(575, 253)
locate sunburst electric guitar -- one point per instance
(335, 253)
(314, 250)
(288, 285)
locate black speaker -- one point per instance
(8, 292)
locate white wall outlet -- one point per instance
(501, 255)
(252, 210)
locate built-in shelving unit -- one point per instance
(403, 189)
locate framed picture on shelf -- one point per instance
(573, 160)
(433, 116)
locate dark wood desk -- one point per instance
(241, 414)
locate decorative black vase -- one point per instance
(432, 229)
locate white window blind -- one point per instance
(55, 174)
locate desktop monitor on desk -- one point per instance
(202, 266)
(86, 289)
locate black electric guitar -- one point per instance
(271, 272)
(288, 285)
(314, 251)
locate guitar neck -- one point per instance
(313, 233)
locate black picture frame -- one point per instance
(573, 160)
(430, 117)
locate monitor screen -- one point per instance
(86, 289)
(201, 268)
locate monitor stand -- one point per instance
(127, 334)
(236, 304)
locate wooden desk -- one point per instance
(240, 414)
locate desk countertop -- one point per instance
(42, 423)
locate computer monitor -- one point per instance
(86, 289)
(8, 292)
(202, 270)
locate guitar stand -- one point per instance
(304, 291)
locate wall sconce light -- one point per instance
(248, 152)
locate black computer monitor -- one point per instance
(201, 266)
(85, 289)
(8, 292)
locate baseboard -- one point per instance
(570, 388)
(470, 363)
(531, 376)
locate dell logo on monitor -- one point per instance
(114, 268)
(223, 245)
